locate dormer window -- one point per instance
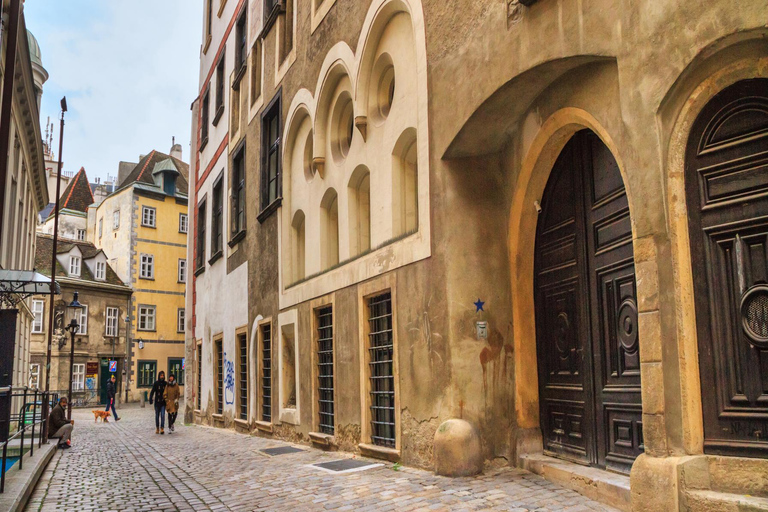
(101, 270)
(74, 266)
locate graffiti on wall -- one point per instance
(229, 380)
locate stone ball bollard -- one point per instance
(457, 449)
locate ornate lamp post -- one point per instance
(73, 313)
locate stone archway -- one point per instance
(534, 173)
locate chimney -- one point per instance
(175, 149)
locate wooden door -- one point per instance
(727, 196)
(586, 311)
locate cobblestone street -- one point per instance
(125, 466)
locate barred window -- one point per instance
(266, 372)
(325, 369)
(381, 352)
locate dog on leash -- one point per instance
(104, 415)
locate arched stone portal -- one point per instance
(586, 310)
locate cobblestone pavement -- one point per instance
(125, 466)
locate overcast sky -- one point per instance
(129, 70)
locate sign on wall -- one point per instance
(113, 366)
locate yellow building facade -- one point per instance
(143, 227)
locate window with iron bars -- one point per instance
(243, 402)
(325, 369)
(266, 372)
(219, 378)
(381, 355)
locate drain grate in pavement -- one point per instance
(281, 450)
(345, 465)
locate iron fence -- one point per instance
(22, 410)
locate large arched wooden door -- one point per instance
(586, 311)
(727, 195)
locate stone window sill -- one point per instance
(379, 452)
(322, 439)
(264, 426)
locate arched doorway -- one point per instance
(726, 182)
(586, 311)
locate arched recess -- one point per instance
(329, 229)
(738, 57)
(298, 247)
(336, 78)
(359, 211)
(535, 170)
(405, 208)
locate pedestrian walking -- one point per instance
(172, 394)
(158, 396)
(59, 426)
(111, 392)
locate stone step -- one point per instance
(713, 501)
(597, 484)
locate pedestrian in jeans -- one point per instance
(111, 392)
(171, 396)
(59, 426)
(158, 394)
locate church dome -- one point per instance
(34, 49)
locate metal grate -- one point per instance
(346, 465)
(243, 378)
(219, 379)
(266, 375)
(381, 352)
(325, 368)
(199, 377)
(756, 314)
(281, 450)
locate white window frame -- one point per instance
(116, 219)
(147, 317)
(75, 265)
(181, 316)
(148, 216)
(78, 377)
(81, 235)
(182, 270)
(38, 308)
(34, 375)
(101, 271)
(183, 223)
(110, 321)
(147, 266)
(82, 322)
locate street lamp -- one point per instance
(73, 313)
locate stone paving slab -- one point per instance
(125, 466)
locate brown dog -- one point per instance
(104, 415)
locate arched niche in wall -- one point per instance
(405, 208)
(359, 190)
(329, 229)
(298, 247)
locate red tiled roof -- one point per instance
(77, 196)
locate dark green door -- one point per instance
(104, 375)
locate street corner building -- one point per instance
(23, 192)
(100, 341)
(142, 226)
(489, 232)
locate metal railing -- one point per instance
(27, 416)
